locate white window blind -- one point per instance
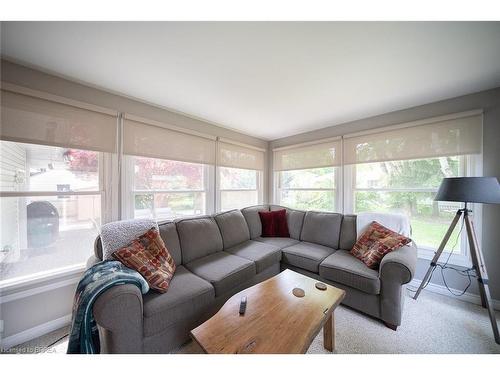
(326, 154)
(141, 139)
(458, 136)
(238, 156)
(29, 119)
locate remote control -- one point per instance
(243, 305)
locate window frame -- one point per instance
(470, 165)
(337, 189)
(259, 187)
(106, 212)
(128, 191)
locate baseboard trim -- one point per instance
(440, 289)
(32, 333)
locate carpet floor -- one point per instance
(434, 324)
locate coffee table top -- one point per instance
(275, 320)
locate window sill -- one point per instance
(42, 281)
(455, 260)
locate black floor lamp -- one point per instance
(468, 190)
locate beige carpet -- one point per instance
(433, 324)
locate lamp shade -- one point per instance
(469, 189)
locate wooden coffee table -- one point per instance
(275, 320)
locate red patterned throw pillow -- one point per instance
(274, 223)
(148, 255)
(375, 242)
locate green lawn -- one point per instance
(430, 233)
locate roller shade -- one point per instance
(153, 141)
(325, 154)
(236, 156)
(459, 136)
(29, 119)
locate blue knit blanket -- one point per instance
(84, 337)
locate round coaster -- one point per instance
(320, 286)
(298, 292)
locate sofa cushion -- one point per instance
(223, 270)
(280, 242)
(322, 228)
(295, 219)
(198, 237)
(252, 218)
(168, 233)
(187, 295)
(375, 242)
(306, 255)
(233, 227)
(348, 232)
(346, 269)
(264, 255)
(148, 255)
(274, 223)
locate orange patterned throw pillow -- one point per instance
(375, 242)
(148, 255)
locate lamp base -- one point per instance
(477, 262)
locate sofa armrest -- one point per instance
(399, 265)
(92, 261)
(397, 268)
(118, 313)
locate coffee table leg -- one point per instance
(329, 334)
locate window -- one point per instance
(51, 199)
(409, 187)
(168, 173)
(239, 175)
(307, 175)
(399, 169)
(53, 157)
(238, 188)
(166, 189)
(309, 189)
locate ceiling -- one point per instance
(268, 79)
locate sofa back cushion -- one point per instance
(322, 228)
(198, 237)
(233, 227)
(295, 219)
(168, 233)
(348, 232)
(252, 218)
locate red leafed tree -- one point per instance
(167, 174)
(81, 161)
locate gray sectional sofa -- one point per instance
(219, 255)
